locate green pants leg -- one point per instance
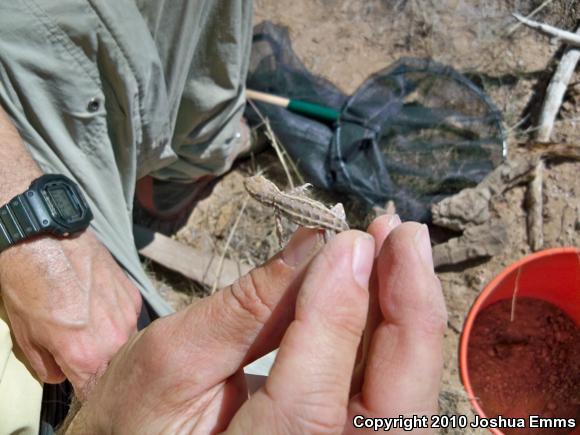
(205, 57)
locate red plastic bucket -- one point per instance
(541, 276)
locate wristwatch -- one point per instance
(53, 204)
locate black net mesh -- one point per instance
(414, 132)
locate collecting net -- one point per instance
(413, 133)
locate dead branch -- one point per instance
(556, 91)
(471, 206)
(535, 206)
(469, 210)
(565, 36)
(188, 261)
(534, 12)
(479, 241)
(556, 151)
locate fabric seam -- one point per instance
(57, 35)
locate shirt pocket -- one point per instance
(50, 72)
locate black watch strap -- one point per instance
(17, 222)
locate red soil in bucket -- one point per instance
(528, 366)
(506, 369)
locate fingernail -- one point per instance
(301, 247)
(423, 245)
(363, 253)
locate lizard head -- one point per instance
(261, 189)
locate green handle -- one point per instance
(313, 110)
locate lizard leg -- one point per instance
(279, 229)
(300, 190)
(328, 235)
(338, 210)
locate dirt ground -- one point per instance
(347, 40)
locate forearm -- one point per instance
(18, 168)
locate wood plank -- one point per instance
(192, 263)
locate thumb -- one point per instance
(237, 324)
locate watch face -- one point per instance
(66, 206)
(65, 202)
(58, 205)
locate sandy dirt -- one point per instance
(542, 342)
(347, 40)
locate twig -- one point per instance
(275, 144)
(565, 36)
(558, 151)
(278, 148)
(534, 12)
(535, 206)
(555, 92)
(517, 125)
(515, 295)
(471, 206)
(478, 241)
(226, 247)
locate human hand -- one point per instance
(183, 374)
(70, 305)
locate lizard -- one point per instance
(297, 207)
